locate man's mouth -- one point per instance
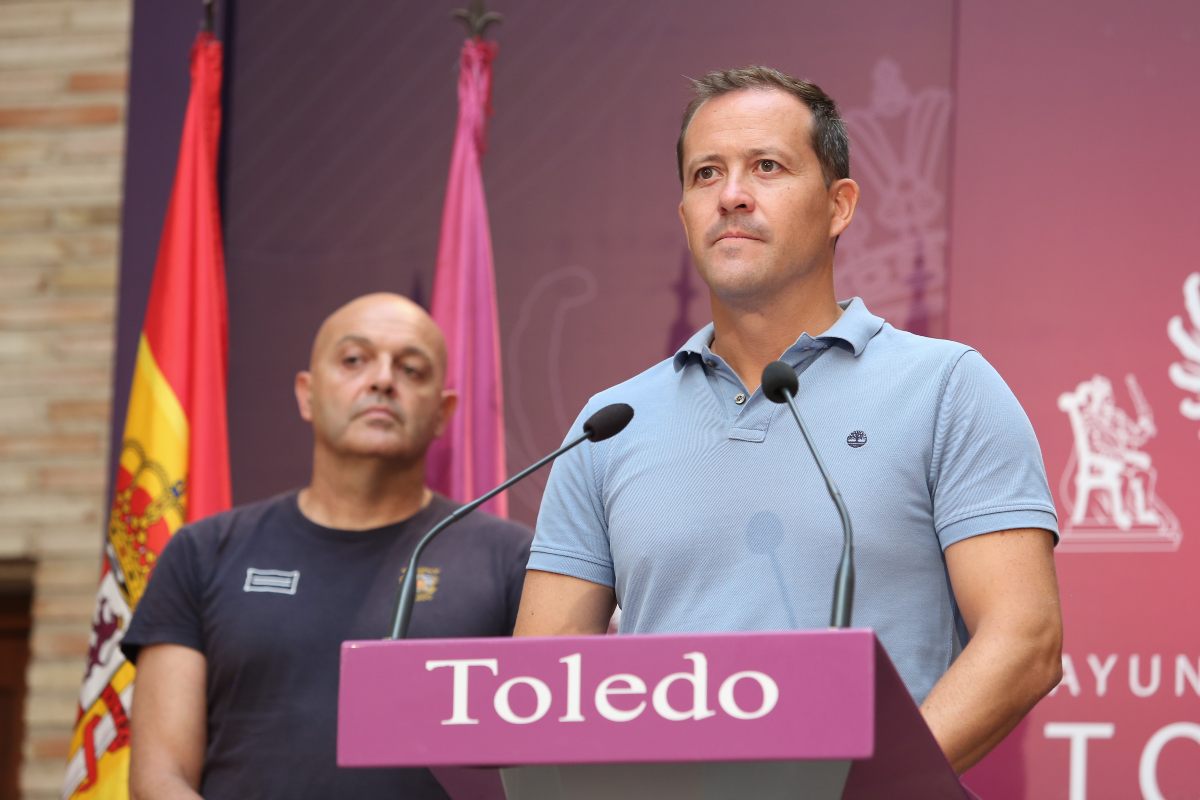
(379, 411)
(743, 235)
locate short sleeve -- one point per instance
(571, 537)
(987, 472)
(170, 609)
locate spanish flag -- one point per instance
(174, 460)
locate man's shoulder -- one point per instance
(641, 391)
(892, 341)
(497, 529)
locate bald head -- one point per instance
(382, 310)
(375, 385)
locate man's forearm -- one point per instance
(161, 787)
(990, 687)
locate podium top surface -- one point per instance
(610, 699)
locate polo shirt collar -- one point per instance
(856, 326)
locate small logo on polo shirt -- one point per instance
(856, 439)
(275, 581)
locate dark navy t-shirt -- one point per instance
(269, 596)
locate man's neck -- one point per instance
(362, 493)
(749, 338)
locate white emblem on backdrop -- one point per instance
(535, 346)
(893, 254)
(1108, 486)
(1186, 374)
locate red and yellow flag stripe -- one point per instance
(174, 463)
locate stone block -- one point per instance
(27, 18)
(79, 410)
(44, 445)
(31, 248)
(59, 641)
(21, 414)
(74, 380)
(84, 279)
(23, 279)
(100, 146)
(53, 574)
(18, 85)
(55, 182)
(52, 745)
(55, 313)
(74, 539)
(89, 480)
(111, 17)
(91, 82)
(62, 606)
(104, 215)
(42, 778)
(58, 676)
(84, 49)
(24, 219)
(60, 116)
(99, 243)
(53, 511)
(46, 707)
(94, 346)
(16, 478)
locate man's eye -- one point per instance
(767, 165)
(706, 173)
(352, 361)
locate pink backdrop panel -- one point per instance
(1074, 232)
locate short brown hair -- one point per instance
(829, 139)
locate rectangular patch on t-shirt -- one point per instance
(271, 580)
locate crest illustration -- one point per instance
(893, 254)
(1108, 486)
(147, 508)
(1186, 373)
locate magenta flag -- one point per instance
(468, 459)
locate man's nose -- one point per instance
(736, 195)
(383, 378)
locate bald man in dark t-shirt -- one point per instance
(237, 639)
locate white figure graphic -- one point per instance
(1108, 487)
(1186, 374)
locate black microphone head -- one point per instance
(608, 421)
(777, 378)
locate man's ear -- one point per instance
(446, 407)
(303, 390)
(843, 196)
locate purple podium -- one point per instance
(810, 714)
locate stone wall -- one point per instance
(63, 73)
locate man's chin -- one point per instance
(389, 449)
(733, 276)
(742, 290)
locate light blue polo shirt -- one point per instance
(708, 513)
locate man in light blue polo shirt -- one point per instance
(708, 512)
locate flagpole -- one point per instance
(469, 457)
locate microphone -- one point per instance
(605, 423)
(779, 384)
